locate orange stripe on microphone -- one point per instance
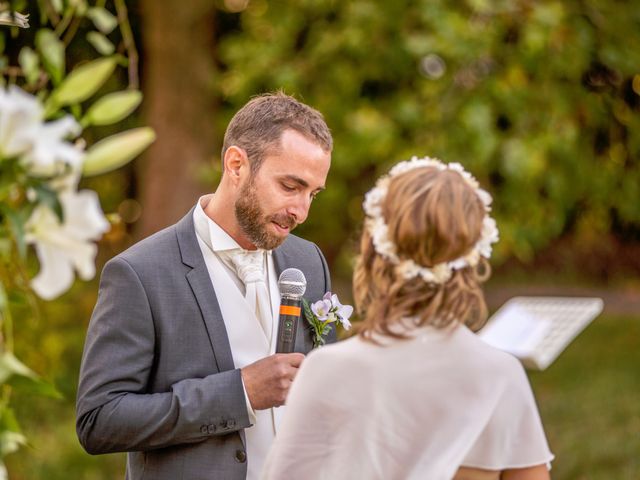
(289, 310)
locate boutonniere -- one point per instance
(323, 313)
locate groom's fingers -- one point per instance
(286, 367)
(291, 363)
(268, 380)
(293, 360)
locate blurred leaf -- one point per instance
(30, 64)
(83, 82)
(16, 224)
(52, 51)
(101, 43)
(18, 298)
(10, 366)
(49, 197)
(8, 420)
(117, 150)
(4, 302)
(112, 108)
(81, 7)
(9, 443)
(57, 5)
(23, 379)
(103, 19)
(34, 386)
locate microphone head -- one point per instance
(292, 283)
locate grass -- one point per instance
(589, 400)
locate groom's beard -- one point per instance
(254, 223)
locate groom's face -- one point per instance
(277, 198)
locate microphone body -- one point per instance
(290, 309)
(292, 285)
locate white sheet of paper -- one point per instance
(515, 330)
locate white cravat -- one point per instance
(249, 265)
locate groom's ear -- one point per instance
(236, 164)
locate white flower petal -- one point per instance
(51, 152)
(55, 275)
(345, 312)
(20, 118)
(485, 197)
(83, 216)
(63, 127)
(346, 324)
(61, 248)
(41, 145)
(83, 260)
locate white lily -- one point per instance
(50, 153)
(64, 247)
(40, 145)
(20, 119)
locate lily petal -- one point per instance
(63, 248)
(56, 274)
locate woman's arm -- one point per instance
(539, 472)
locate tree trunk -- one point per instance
(178, 67)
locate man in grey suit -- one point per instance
(178, 370)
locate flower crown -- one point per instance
(384, 246)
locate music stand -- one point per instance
(538, 329)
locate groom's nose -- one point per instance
(299, 207)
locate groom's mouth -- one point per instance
(283, 225)
(282, 229)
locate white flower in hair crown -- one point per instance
(384, 246)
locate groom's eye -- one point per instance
(288, 188)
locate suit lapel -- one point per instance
(200, 283)
(280, 260)
(204, 293)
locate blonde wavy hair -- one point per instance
(433, 216)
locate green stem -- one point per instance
(50, 12)
(66, 20)
(7, 326)
(129, 43)
(71, 31)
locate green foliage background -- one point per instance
(539, 100)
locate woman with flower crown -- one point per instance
(416, 395)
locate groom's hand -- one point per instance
(268, 380)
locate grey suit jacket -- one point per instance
(157, 378)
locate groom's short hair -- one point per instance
(258, 126)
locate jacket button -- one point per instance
(241, 456)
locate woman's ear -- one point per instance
(235, 164)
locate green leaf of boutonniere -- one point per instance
(307, 310)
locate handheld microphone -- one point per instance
(292, 285)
